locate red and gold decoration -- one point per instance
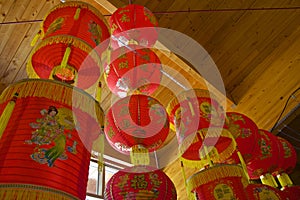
(198, 120)
(79, 20)
(245, 133)
(45, 155)
(263, 192)
(267, 159)
(287, 157)
(219, 182)
(137, 123)
(133, 24)
(71, 33)
(133, 69)
(140, 182)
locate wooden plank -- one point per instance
(4, 8)
(273, 86)
(16, 10)
(235, 51)
(12, 36)
(23, 49)
(11, 47)
(284, 39)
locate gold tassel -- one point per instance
(139, 155)
(284, 180)
(6, 114)
(287, 179)
(100, 153)
(206, 150)
(77, 13)
(35, 39)
(98, 92)
(65, 59)
(189, 193)
(244, 166)
(268, 179)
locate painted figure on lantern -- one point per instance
(50, 138)
(265, 149)
(96, 32)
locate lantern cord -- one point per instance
(156, 160)
(183, 172)
(189, 194)
(175, 81)
(284, 108)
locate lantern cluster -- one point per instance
(137, 124)
(133, 66)
(229, 150)
(48, 125)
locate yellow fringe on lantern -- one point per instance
(70, 41)
(139, 155)
(6, 114)
(215, 173)
(268, 179)
(56, 91)
(32, 192)
(211, 132)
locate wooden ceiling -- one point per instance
(255, 46)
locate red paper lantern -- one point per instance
(133, 69)
(292, 192)
(69, 51)
(79, 20)
(133, 24)
(136, 120)
(266, 160)
(198, 121)
(140, 183)
(263, 192)
(45, 147)
(287, 157)
(219, 182)
(245, 132)
(46, 62)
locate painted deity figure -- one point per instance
(49, 131)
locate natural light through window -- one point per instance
(97, 181)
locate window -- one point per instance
(97, 181)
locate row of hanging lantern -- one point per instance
(210, 139)
(48, 125)
(137, 124)
(54, 143)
